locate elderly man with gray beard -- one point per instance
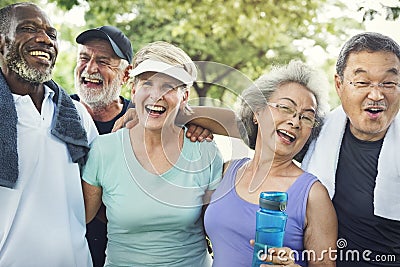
(44, 141)
(104, 55)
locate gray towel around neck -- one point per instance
(8, 137)
(67, 127)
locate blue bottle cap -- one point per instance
(273, 200)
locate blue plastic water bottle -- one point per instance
(270, 224)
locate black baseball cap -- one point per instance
(118, 41)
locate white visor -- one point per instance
(176, 71)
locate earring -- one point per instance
(255, 121)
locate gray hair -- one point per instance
(7, 13)
(123, 64)
(367, 41)
(255, 98)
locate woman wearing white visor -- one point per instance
(152, 179)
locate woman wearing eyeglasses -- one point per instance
(279, 115)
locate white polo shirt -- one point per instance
(48, 228)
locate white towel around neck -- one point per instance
(322, 158)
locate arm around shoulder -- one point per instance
(221, 121)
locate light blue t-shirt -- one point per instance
(153, 220)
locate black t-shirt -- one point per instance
(360, 231)
(106, 127)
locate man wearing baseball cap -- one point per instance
(104, 56)
(120, 44)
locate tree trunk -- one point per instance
(202, 93)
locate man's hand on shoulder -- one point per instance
(195, 133)
(128, 120)
(198, 133)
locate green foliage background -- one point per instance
(248, 35)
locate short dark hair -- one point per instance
(367, 41)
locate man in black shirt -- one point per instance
(356, 155)
(104, 57)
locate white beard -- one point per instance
(99, 98)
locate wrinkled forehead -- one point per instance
(372, 63)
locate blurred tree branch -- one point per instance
(248, 35)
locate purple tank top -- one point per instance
(230, 221)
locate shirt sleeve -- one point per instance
(87, 122)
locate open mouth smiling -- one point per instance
(286, 135)
(86, 81)
(152, 109)
(375, 110)
(41, 55)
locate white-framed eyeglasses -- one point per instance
(306, 118)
